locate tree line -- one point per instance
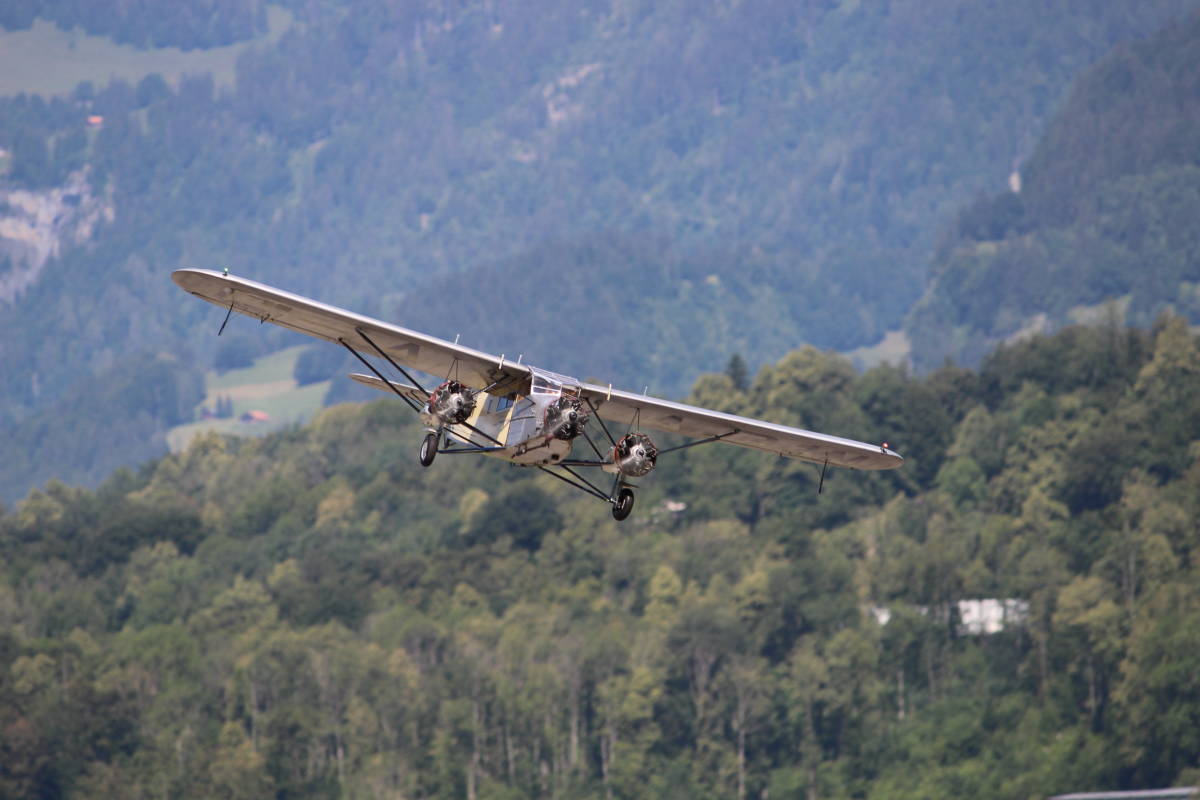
(312, 614)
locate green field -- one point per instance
(48, 60)
(266, 386)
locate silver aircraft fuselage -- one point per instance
(513, 426)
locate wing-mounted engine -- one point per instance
(565, 418)
(451, 403)
(634, 455)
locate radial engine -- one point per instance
(565, 418)
(451, 403)
(634, 455)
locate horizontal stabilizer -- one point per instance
(411, 392)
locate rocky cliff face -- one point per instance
(34, 225)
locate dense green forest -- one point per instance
(775, 171)
(1106, 212)
(312, 614)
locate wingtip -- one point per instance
(192, 278)
(184, 273)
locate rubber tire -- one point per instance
(624, 505)
(429, 448)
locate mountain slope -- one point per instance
(800, 154)
(1106, 212)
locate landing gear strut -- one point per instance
(623, 505)
(429, 448)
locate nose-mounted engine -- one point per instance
(634, 455)
(565, 418)
(451, 403)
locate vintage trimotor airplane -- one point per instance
(488, 405)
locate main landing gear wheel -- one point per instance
(623, 506)
(429, 447)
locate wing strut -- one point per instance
(716, 438)
(228, 314)
(388, 358)
(821, 485)
(604, 462)
(386, 382)
(599, 455)
(600, 419)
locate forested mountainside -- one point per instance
(779, 169)
(314, 615)
(1106, 211)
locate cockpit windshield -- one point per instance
(544, 386)
(551, 384)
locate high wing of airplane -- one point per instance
(492, 405)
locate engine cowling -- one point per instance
(565, 418)
(635, 455)
(451, 403)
